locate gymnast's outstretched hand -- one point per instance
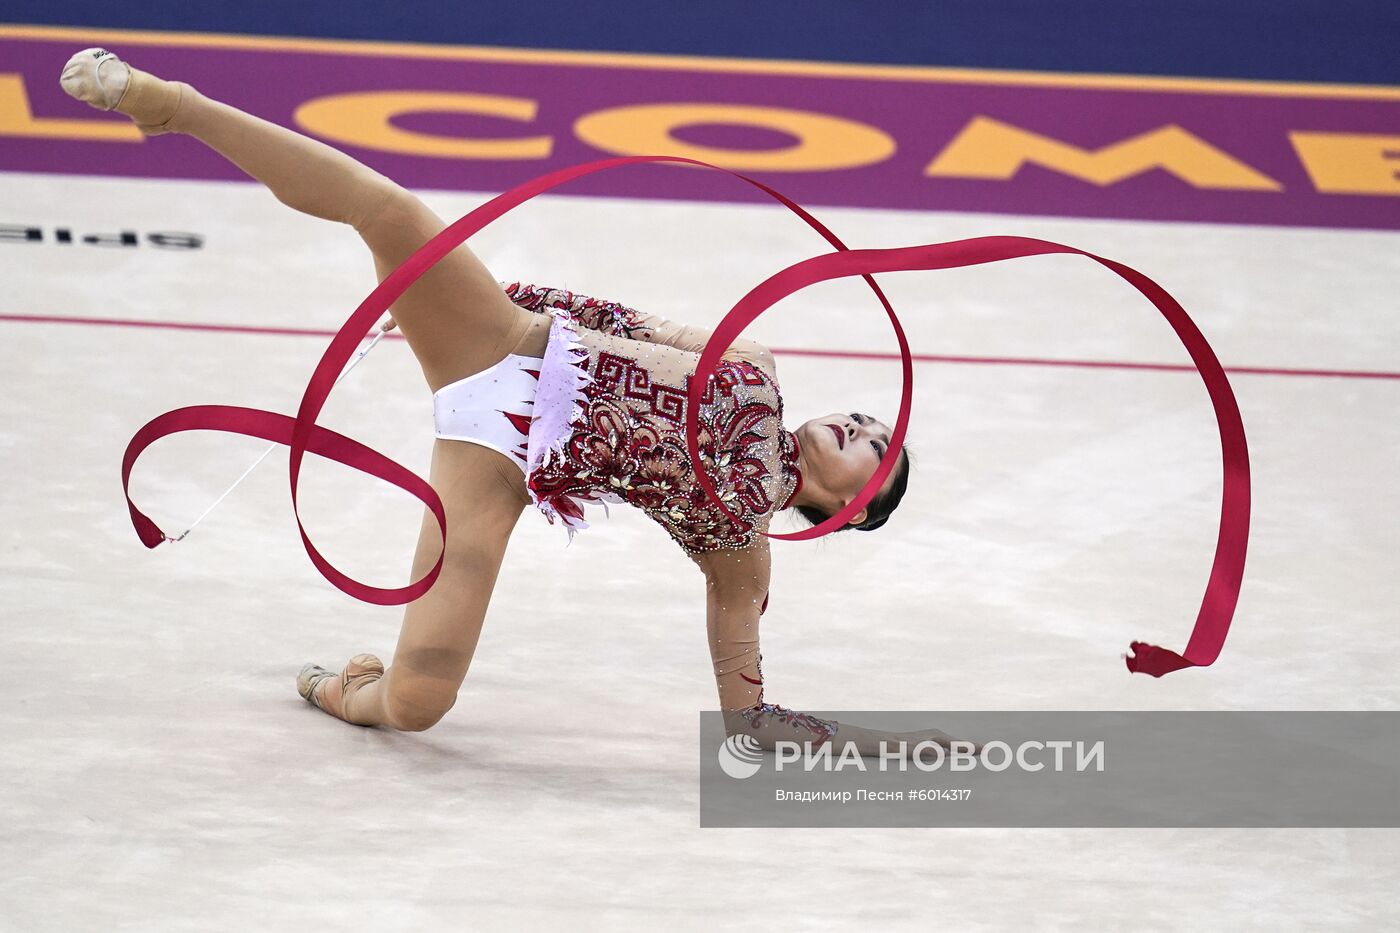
(868, 742)
(937, 736)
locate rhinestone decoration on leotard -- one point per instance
(630, 441)
(821, 729)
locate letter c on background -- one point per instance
(363, 119)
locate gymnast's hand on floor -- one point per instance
(872, 743)
(936, 736)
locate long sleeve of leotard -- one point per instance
(619, 320)
(736, 595)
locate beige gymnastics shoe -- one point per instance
(362, 669)
(97, 78)
(100, 79)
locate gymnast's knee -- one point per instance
(417, 704)
(387, 208)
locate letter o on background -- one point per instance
(823, 142)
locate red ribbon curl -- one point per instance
(301, 434)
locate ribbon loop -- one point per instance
(301, 434)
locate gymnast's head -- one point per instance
(838, 454)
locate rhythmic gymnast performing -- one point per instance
(547, 398)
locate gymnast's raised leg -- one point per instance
(457, 322)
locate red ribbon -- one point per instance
(302, 434)
(1222, 589)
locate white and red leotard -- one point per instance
(601, 417)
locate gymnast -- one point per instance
(547, 398)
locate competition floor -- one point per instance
(163, 773)
(160, 770)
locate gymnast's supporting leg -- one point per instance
(455, 317)
(440, 630)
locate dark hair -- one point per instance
(879, 510)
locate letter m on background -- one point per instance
(990, 149)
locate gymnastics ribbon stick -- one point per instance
(306, 435)
(1227, 571)
(270, 448)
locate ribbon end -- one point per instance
(1153, 660)
(146, 530)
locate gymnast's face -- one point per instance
(840, 452)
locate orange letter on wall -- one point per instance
(362, 119)
(1350, 163)
(16, 119)
(823, 142)
(988, 148)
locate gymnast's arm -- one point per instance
(736, 591)
(621, 321)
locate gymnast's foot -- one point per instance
(327, 691)
(102, 80)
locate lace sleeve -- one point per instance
(609, 317)
(616, 319)
(736, 585)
